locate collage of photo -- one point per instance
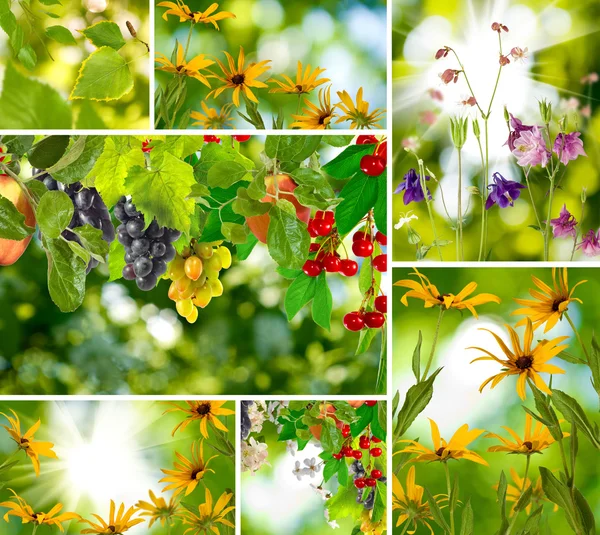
(195, 207)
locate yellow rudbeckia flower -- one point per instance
(204, 411)
(358, 113)
(187, 473)
(181, 10)
(159, 510)
(305, 81)
(410, 503)
(209, 517)
(181, 67)
(212, 119)
(316, 117)
(116, 525)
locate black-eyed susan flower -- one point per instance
(369, 527)
(455, 448)
(358, 114)
(187, 473)
(514, 492)
(410, 503)
(159, 510)
(527, 362)
(20, 508)
(181, 67)
(431, 296)
(532, 442)
(549, 304)
(26, 442)
(116, 525)
(240, 78)
(209, 516)
(306, 81)
(204, 411)
(185, 14)
(212, 119)
(316, 117)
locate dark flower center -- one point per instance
(299, 88)
(556, 303)
(440, 451)
(238, 79)
(203, 409)
(524, 362)
(196, 472)
(180, 68)
(24, 441)
(528, 445)
(112, 529)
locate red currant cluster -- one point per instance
(145, 147)
(216, 139)
(376, 163)
(324, 249)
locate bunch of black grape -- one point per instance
(89, 210)
(358, 471)
(246, 423)
(147, 250)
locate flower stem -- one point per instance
(450, 507)
(577, 231)
(548, 217)
(435, 339)
(406, 524)
(429, 210)
(564, 459)
(459, 230)
(483, 199)
(189, 38)
(35, 527)
(10, 458)
(515, 516)
(578, 336)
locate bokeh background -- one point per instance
(562, 37)
(456, 398)
(106, 450)
(347, 37)
(129, 112)
(122, 340)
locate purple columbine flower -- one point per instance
(590, 244)
(530, 148)
(564, 225)
(515, 133)
(504, 192)
(411, 186)
(568, 147)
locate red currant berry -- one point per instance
(145, 147)
(242, 139)
(381, 238)
(362, 234)
(366, 140)
(337, 456)
(370, 482)
(381, 150)
(376, 440)
(360, 483)
(212, 139)
(371, 403)
(362, 248)
(376, 452)
(311, 230)
(380, 263)
(312, 268)
(348, 267)
(372, 165)
(357, 454)
(332, 263)
(314, 247)
(353, 321)
(348, 452)
(322, 227)
(374, 320)
(376, 474)
(365, 444)
(346, 431)
(381, 304)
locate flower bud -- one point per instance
(441, 53)
(546, 111)
(458, 130)
(449, 75)
(474, 190)
(583, 195)
(506, 114)
(413, 236)
(503, 61)
(476, 129)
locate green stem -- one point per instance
(189, 38)
(435, 339)
(483, 199)
(537, 217)
(10, 457)
(461, 252)
(35, 527)
(450, 507)
(380, 385)
(563, 457)
(486, 183)
(515, 516)
(406, 524)
(577, 231)
(578, 336)
(548, 217)
(429, 210)
(497, 78)
(299, 104)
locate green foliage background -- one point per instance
(561, 66)
(152, 434)
(476, 481)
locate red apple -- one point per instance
(11, 250)
(259, 224)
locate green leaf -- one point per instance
(331, 436)
(257, 188)
(416, 358)
(585, 512)
(547, 413)
(291, 148)
(17, 145)
(287, 239)
(380, 491)
(365, 340)
(61, 35)
(532, 525)
(163, 192)
(111, 167)
(331, 468)
(116, 261)
(27, 57)
(29, 104)
(299, 294)
(91, 239)
(50, 2)
(243, 250)
(79, 160)
(343, 504)
(343, 473)
(322, 303)
(226, 173)
(347, 164)
(235, 233)
(105, 33)
(104, 75)
(574, 414)
(501, 494)
(48, 151)
(359, 195)
(558, 492)
(380, 208)
(436, 512)
(12, 222)
(466, 522)
(595, 364)
(337, 141)
(417, 398)
(88, 118)
(66, 275)
(365, 417)
(54, 213)
(246, 206)
(524, 500)
(213, 153)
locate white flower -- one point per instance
(405, 219)
(313, 467)
(254, 455)
(291, 447)
(519, 54)
(298, 471)
(257, 418)
(324, 493)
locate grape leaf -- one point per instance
(287, 239)
(331, 436)
(66, 275)
(61, 35)
(77, 163)
(91, 239)
(337, 140)
(104, 75)
(105, 33)
(343, 504)
(322, 303)
(112, 166)
(359, 195)
(248, 207)
(162, 192)
(379, 504)
(54, 213)
(48, 151)
(300, 292)
(226, 173)
(116, 261)
(213, 153)
(12, 222)
(17, 145)
(29, 104)
(347, 164)
(291, 148)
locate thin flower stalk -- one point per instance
(428, 202)
(513, 520)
